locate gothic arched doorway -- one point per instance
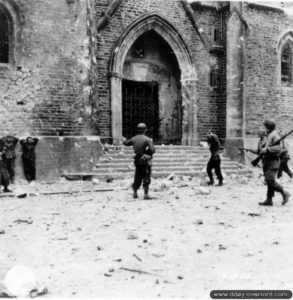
(152, 54)
(151, 89)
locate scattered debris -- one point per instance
(254, 215)
(132, 236)
(171, 176)
(180, 277)
(38, 292)
(199, 222)
(18, 221)
(95, 181)
(158, 255)
(139, 259)
(138, 271)
(2, 231)
(24, 195)
(110, 179)
(221, 247)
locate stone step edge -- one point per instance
(90, 176)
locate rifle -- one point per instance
(259, 158)
(246, 149)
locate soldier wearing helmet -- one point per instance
(144, 149)
(271, 164)
(215, 159)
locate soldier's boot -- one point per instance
(220, 183)
(211, 182)
(6, 190)
(267, 202)
(135, 196)
(286, 196)
(146, 193)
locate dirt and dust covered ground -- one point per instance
(186, 242)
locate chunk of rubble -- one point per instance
(202, 191)
(95, 181)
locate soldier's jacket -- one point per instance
(271, 157)
(28, 148)
(214, 144)
(143, 147)
(9, 146)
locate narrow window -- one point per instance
(4, 38)
(286, 64)
(217, 36)
(214, 78)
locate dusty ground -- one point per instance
(81, 244)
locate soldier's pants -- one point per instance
(142, 175)
(4, 177)
(270, 173)
(10, 167)
(214, 163)
(29, 168)
(284, 167)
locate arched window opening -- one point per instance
(4, 38)
(286, 64)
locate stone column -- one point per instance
(189, 113)
(116, 108)
(235, 71)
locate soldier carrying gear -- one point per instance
(271, 164)
(284, 158)
(215, 159)
(144, 149)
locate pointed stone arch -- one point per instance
(285, 41)
(157, 23)
(11, 10)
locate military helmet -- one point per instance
(141, 127)
(270, 124)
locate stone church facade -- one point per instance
(80, 72)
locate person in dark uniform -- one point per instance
(271, 164)
(29, 157)
(144, 149)
(215, 159)
(284, 158)
(9, 150)
(4, 174)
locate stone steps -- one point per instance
(117, 162)
(161, 163)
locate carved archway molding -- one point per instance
(11, 10)
(157, 23)
(286, 37)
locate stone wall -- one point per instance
(45, 89)
(209, 100)
(56, 156)
(265, 96)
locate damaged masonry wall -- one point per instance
(46, 90)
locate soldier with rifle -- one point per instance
(271, 162)
(261, 143)
(215, 159)
(144, 149)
